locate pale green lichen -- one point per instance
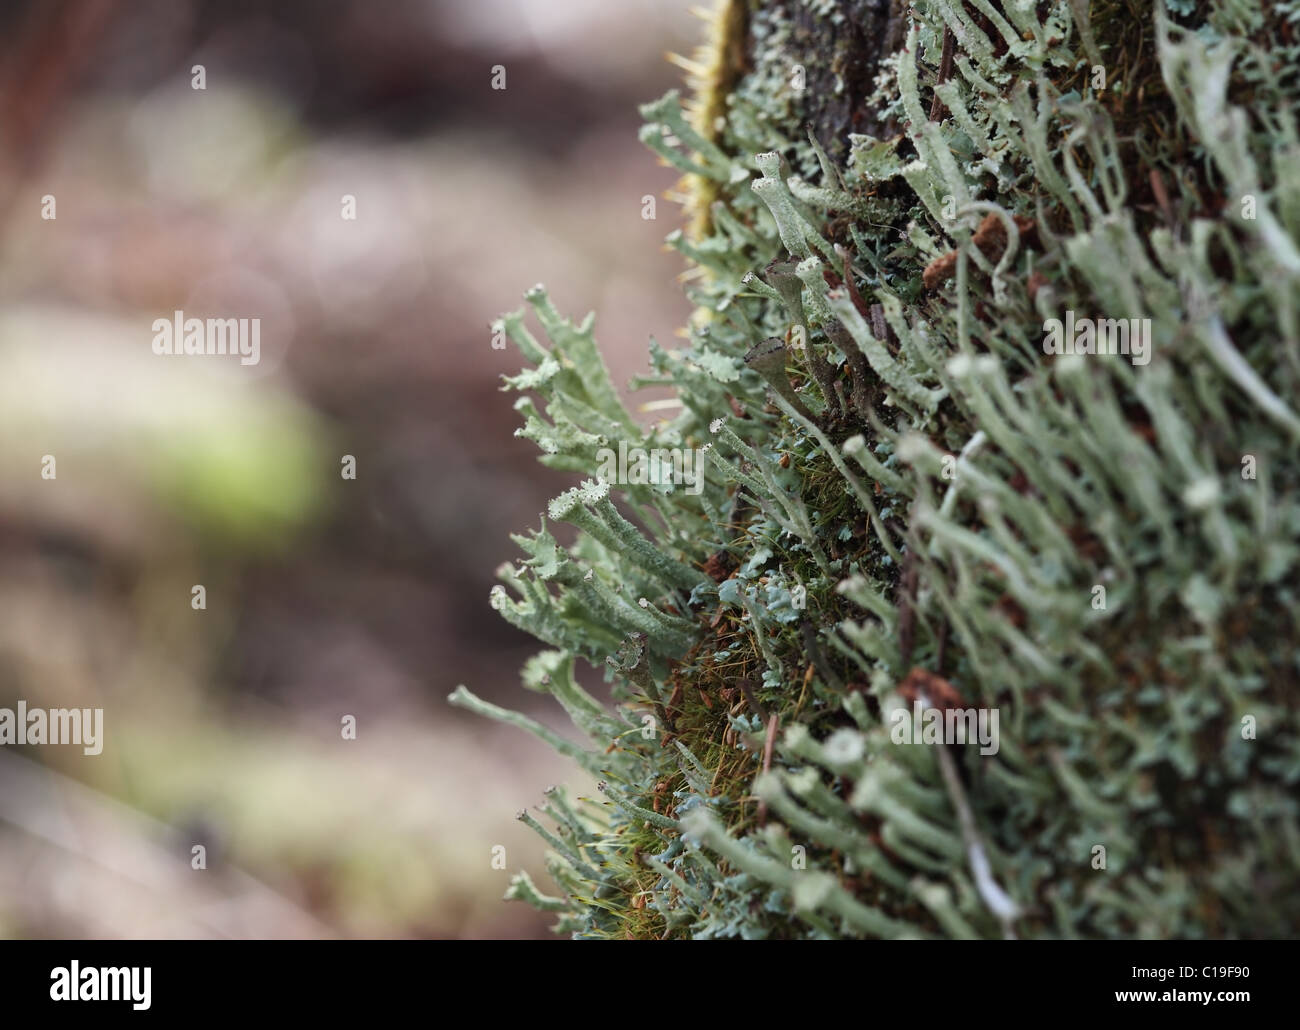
(938, 492)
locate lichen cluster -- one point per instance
(907, 501)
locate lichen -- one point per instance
(907, 501)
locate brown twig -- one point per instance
(755, 706)
(945, 73)
(767, 763)
(906, 598)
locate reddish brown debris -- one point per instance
(674, 700)
(940, 270)
(882, 330)
(991, 238)
(1162, 195)
(938, 691)
(1028, 229)
(1012, 610)
(718, 566)
(1087, 544)
(991, 235)
(937, 109)
(854, 295)
(772, 724)
(1145, 430)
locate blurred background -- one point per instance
(325, 597)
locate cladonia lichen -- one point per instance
(908, 502)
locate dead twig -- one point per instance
(772, 723)
(937, 108)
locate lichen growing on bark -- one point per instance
(908, 505)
